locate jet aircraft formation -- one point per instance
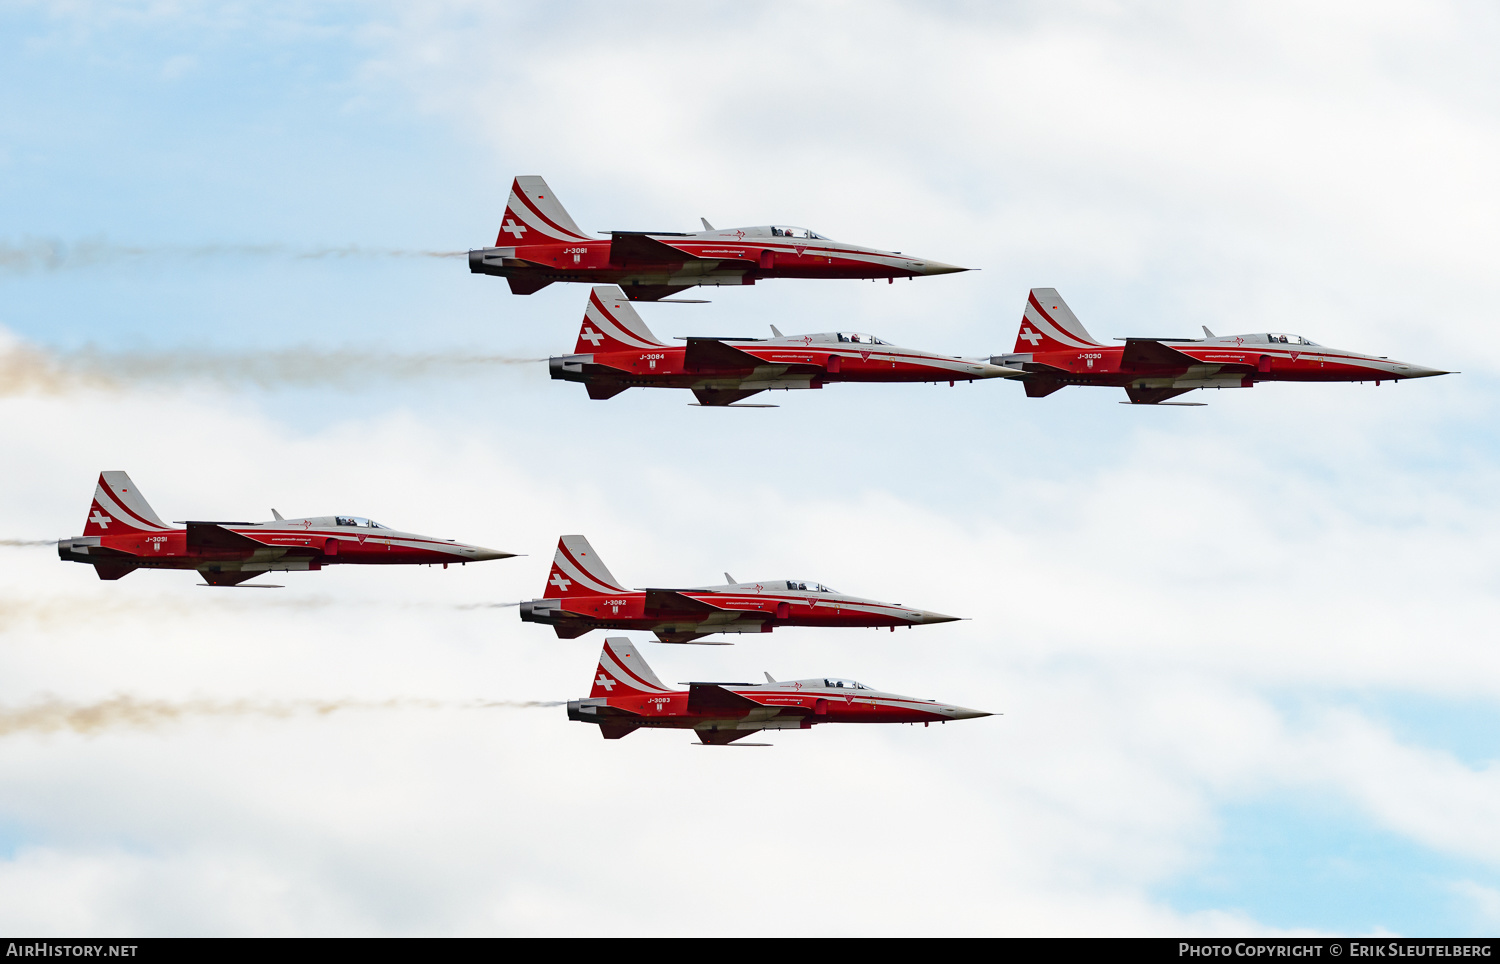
(538, 245)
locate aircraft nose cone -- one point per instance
(963, 713)
(481, 554)
(991, 370)
(1417, 371)
(937, 267)
(924, 618)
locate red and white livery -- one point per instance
(616, 351)
(1055, 351)
(539, 244)
(124, 534)
(583, 595)
(627, 696)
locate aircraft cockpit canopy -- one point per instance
(1276, 339)
(844, 684)
(782, 231)
(799, 586)
(354, 520)
(854, 337)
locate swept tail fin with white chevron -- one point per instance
(610, 324)
(577, 570)
(1048, 324)
(533, 215)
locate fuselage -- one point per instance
(785, 362)
(649, 265)
(281, 545)
(795, 704)
(677, 615)
(1230, 361)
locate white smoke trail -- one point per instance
(28, 542)
(51, 715)
(46, 255)
(27, 370)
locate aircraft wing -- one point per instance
(211, 535)
(712, 353)
(670, 600)
(628, 247)
(713, 698)
(1147, 351)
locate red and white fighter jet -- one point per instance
(123, 534)
(539, 244)
(616, 351)
(1055, 351)
(627, 696)
(583, 595)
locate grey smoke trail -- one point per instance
(45, 255)
(71, 611)
(28, 542)
(508, 605)
(25, 370)
(52, 715)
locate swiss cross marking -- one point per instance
(591, 336)
(561, 583)
(514, 228)
(1031, 336)
(606, 682)
(100, 519)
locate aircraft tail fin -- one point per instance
(1048, 324)
(611, 324)
(577, 570)
(534, 216)
(623, 672)
(119, 507)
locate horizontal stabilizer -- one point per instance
(602, 390)
(211, 535)
(526, 286)
(713, 698)
(1042, 386)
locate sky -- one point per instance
(1242, 656)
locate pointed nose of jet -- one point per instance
(962, 713)
(935, 267)
(922, 618)
(1417, 371)
(983, 368)
(481, 554)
